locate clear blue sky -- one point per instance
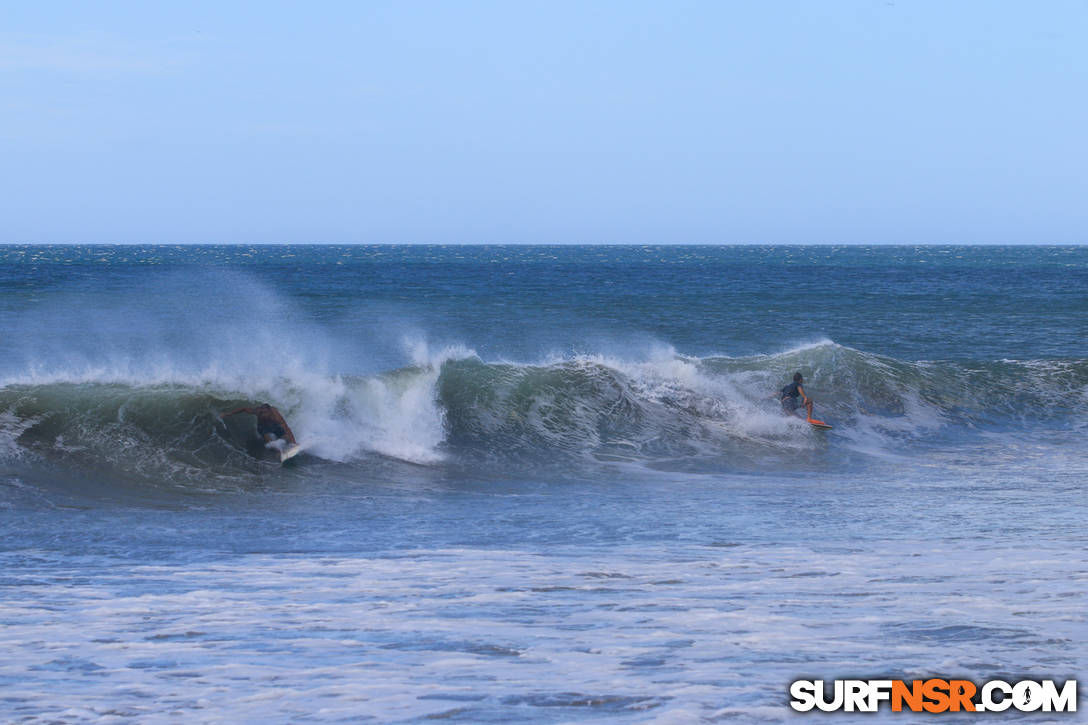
(544, 122)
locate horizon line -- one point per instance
(543, 244)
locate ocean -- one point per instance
(542, 484)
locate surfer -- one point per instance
(270, 424)
(788, 397)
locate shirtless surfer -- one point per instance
(270, 424)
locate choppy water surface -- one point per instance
(541, 483)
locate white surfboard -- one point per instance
(290, 452)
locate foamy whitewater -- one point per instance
(539, 484)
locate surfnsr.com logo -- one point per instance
(933, 695)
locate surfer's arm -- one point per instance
(801, 390)
(236, 411)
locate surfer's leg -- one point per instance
(808, 408)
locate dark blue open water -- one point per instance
(540, 484)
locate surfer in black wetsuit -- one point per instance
(270, 424)
(788, 397)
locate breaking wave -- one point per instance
(451, 407)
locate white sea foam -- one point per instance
(636, 635)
